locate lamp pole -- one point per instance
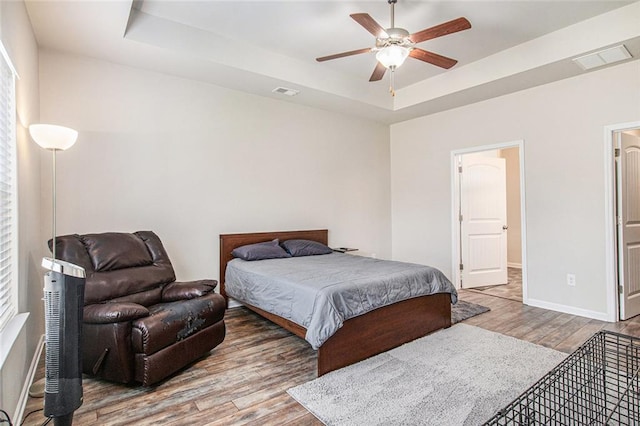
(53, 207)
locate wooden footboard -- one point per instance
(384, 328)
(360, 337)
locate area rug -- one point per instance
(457, 376)
(465, 310)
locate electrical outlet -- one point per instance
(571, 280)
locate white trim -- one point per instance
(233, 303)
(602, 316)
(611, 282)
(455, 219)
(6, 57)
(9, 334)
(523, 225)
(514, 265)
(24, 395)
(501, 145)
(455, 231)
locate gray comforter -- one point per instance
(321, 292)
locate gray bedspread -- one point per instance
(321, 292)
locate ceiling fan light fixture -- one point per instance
(392, 56)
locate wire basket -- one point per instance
(598, 384)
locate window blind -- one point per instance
(8, 198)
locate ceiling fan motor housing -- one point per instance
(395, 36)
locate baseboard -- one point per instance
(602, 316)
(24, 394)
(514, 265)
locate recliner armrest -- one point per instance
(107, 313)
(187, 290)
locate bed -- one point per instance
(359, 337)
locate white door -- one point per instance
(628, 174)
(483, 208)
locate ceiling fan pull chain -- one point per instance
(391, 78)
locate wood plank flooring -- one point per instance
(511, 290)
(244, 380)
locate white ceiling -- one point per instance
(256, 46)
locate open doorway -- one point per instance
(488, 220)
(622, 169)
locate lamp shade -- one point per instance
(392, 56)
(52, 137)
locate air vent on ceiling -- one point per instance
(286, 91)
(603, 57)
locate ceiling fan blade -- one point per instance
(369, 24)
(432, 58)
(441, 30)
(343, 54)
(378, 72)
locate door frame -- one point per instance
(455, 204)
(610, 230)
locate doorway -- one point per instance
(488, 237)
(622, 148)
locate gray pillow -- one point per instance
(298, 248)
(260, 251)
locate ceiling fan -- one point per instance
(395, 44)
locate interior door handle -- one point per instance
(505, 227)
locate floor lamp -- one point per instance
(53, 138)
(63, 303)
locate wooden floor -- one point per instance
(511, 290)
(244, 380)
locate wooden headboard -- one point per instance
(230, 241)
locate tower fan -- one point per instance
(63, 307)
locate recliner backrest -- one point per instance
(119, 266)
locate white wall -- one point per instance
(18, 38)
(190, 160)
(562, 127)
(514, 234)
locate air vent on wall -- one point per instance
(603, 57)
(286, 91)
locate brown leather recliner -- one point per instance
(140, 324)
